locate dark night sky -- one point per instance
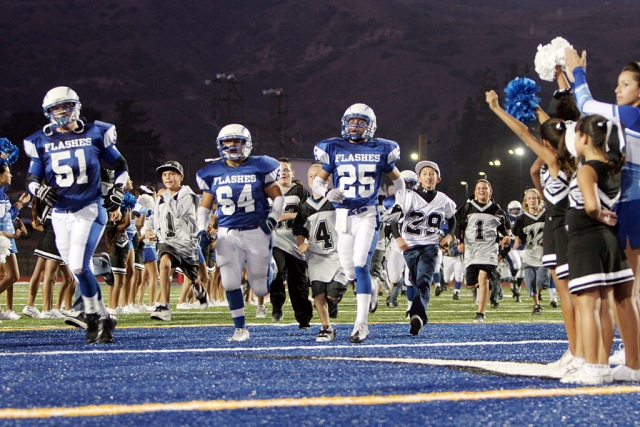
(415, 62)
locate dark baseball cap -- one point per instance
(170, 165)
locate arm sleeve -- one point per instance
(453, 224)
(398, 185)
(299, 221)
(203, 217)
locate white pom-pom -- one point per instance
(550, 55)
(545, 62)
(5, 249)
(559, 45)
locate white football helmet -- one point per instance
(410, 179)
(514, 208)
(57, 96)
(234, 132)
(360, 111)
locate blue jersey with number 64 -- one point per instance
(357, 168)
(239, 191)
(71, 162)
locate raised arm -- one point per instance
(521, 130)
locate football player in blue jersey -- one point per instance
(67, 152)
(356, 162)
(242, 185)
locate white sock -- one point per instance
(409, 304)
(552, 294)
(362, 307)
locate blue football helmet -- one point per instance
(359, 111)
(515, 209)
(58, 96)
(234, 133)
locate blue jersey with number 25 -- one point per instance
(357, 168)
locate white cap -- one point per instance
(426, 163)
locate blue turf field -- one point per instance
(193, 376)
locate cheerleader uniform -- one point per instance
(554, 243)
(629, 205)
(7, 214)
(47, 246)
(595, 255)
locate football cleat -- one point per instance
(359, 334)
(240, 334)
(93, 328)
(261, 312)
(107, 325)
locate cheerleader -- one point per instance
(627, 111)
(7, 214)
(599, 269)
(556, 166)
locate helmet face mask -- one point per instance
(352, 131)
(410, 179)
(241, 146)
(514, 208)
(61, 105)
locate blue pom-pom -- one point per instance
(8, 148)
(129, 201)
(522, 101)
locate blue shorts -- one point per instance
(150, 254)
(628, 224)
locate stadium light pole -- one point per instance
(519, 152)
(466, 189)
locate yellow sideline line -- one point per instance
(222, 405)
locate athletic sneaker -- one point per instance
(31, 311)
(162, 312)
(416, 325)
(618, 356)
(566, 359)
(359, 334)
(107, 325)
(439, 290)
(9, 315)
(184, 306)
(77, 319)
(554, 304)
(580, 376)
(537, 310)
(495, 304)
(201, 295)
(261, 312)
(51, 314)
(456, 296)
(93, 328)
(241, 334)
(479, 318)
(625, 373)
(326, 335)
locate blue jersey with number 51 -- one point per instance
(71, 162)
(357, 168)
(239, 191)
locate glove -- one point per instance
(204, 239)
(392, 215)
(267, 225)
(113, 199)
(47, 194)
(335, 195)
